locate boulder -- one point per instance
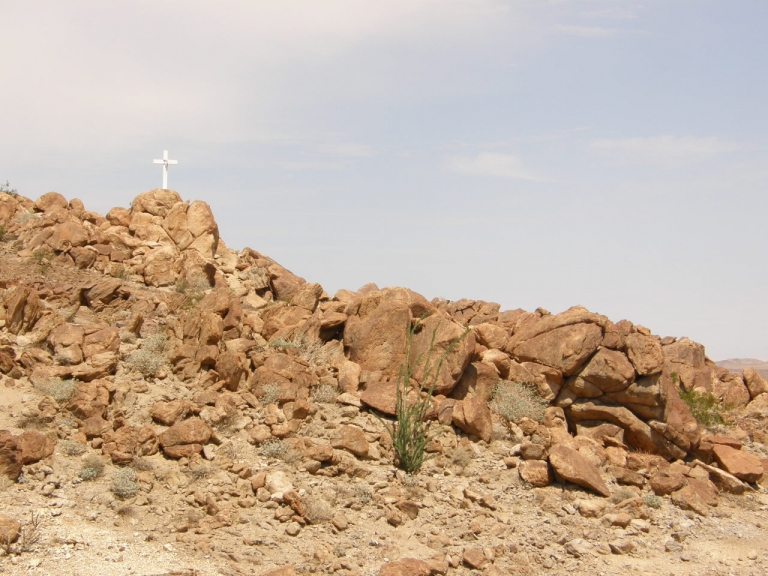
(565, 348)
(744, 466)
(22, 309)
(10, 455)
(570, 465)
(377, 341)
(473, 416)
(754, 382)
(405, 567)
(230, 369)
(645, 353)
(49, 201)
(168, 413)
(67, 235)
(34, 446)
(349, 376)
(157, 202)
(666, 480)
(608, 370)
(535, 472)
(190, 431)
(352, 439)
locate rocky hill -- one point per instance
(166, 399)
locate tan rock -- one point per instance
(645, 353)
(9, 530)
(744, 466)
(474, 558)
(349, 376)
(351, 439)
(491, 335)
(405, 567)
(119, 216)
(168, 413)
(34, 446)
(49, 201)
(609, 370)
(67, 235)
(565, 348)
(284, 571)
(10, 455)
(307, 296)
(473, 416)
(377, 341)
(157, 202)
(570, 465)
(666, 480)
(190, 431)
(731, 390)
(95, 427)
(754, 382)
(687, 498)
(230, 369)
(535, 472)
(22, 309)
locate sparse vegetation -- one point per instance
(461, 456)
(515, 400)
(25, 217)
(71, 448)
(270, 394)
(705, 408)
(92, 468)
(59, 390)
(621, 494)
(318, 510)
(324, 394)
(652, 501)
(410, 432)
(311, 350)
(42, 257)
(149, 358)
(6, 189)
(29, 535)
(273, 448)
(120, 272)
(124, 483)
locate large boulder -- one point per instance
(570, 465)
(744, 466)
(754, 382)
(645, 353)
(22, 309)
(565, 348)
(609, 370)
(473, 416)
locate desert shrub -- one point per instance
(6, 189)
(59, 390)
(705, 408)
(120, 272)
(273, 448)
(92, 468)
(324, 394)
(515, 400)
(318, 510)
(149, 358)
(24, 217)
(622, 494)
(42, 257)
(71, 448)
(461, 456)
(124, 483)
(270, 394)
(142, 464)
(652, 501)
(362, 493)
(311, 350)
(410, 432)
(29, 535)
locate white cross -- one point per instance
(165, 162)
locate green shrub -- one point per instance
(410, 433)
(515, 400)
(705, 408)
(652, 501)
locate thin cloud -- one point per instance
(492, 164)
(586, 31)
(668, 151)
(615, 13)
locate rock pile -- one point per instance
(240, 345)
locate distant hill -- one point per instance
(739, 364)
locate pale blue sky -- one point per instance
(533, 153)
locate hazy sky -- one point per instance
(607, 153)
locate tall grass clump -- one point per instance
(410, 432)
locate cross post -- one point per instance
(165, 162)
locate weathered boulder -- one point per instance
(473, 416)
(667, 480)
(565, 348)
(34, 446)
(570, 465)
(609, 371)
(352, 439)
(645, 353)
(49, 201)
(535, 472)
(22, 309)
(185, 438)
(744, 466)
(754, 382)
(67, 235)
(157, 202)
